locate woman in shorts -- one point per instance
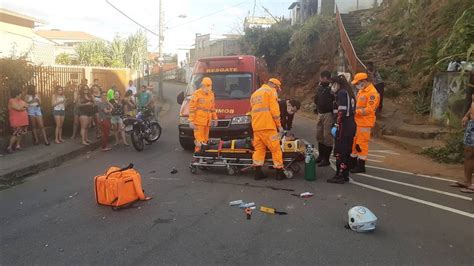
(116, 120)
(86, 111)
(34, 112)
(58, 103)
(18, 117)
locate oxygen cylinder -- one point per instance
(309, 164)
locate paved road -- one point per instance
(52, 218)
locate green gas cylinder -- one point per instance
(309, 164)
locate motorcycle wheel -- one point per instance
(155, 132)
(137, 142)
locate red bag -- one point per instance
(119, 187)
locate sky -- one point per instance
(202, 16)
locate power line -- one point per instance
(205, 16)
(134, 21)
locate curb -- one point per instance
(16, 177)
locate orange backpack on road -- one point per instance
(119, 187)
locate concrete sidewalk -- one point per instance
(35, 158)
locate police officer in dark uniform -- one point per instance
(345, 125)
(324, 100)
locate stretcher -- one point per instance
(239, 159)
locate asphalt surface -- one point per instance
(52, 218)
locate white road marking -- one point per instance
(375, 155)
(418, 187)
(431, 204)
(375, 161)
(385, 151)
(408, 173)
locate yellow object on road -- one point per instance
(267, 210)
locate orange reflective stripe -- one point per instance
(365, 129)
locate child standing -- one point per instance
(117, 121)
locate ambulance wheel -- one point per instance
(296, 168)
(232, 170)
(193, 169)
(288, 174)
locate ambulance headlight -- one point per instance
(239, 120)
(183, 120)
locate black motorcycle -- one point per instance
(142, 128)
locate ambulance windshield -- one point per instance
(225, 85)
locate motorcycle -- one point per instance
(142, 128)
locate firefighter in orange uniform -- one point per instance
(202, 113)
(367, 102)
(265, 123)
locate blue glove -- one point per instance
(333, 131)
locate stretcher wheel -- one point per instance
(295, 168)
(288, 174)
(193, 169)
(232, 170)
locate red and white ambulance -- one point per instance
(234, 79)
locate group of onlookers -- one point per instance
(89, 106)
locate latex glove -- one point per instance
(191, 125)
(334, 131)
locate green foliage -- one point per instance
(14, 74)
(63, 59)
(430, 57)
(363, 41)
(135, 50)
(422, 102)
(130, 52)
(452, 152)
(92, 53)
(270, 43)
(397, 76)
(305, 39)
(462, 34)
(391, 93)
(117, 52)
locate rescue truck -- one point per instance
(234, 79)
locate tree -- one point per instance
(116, 52)
(14, 74)
(63, 59)
(92, 53)
(136, 51)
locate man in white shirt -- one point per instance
(132, 88)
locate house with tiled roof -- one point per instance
(66, 41)
(18, 38)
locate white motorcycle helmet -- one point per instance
(361, 219)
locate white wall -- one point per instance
(17, 41)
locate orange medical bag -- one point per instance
(119, 187)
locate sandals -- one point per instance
(458, 184)
(469, 189)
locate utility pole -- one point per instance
(160, 51)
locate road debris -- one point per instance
(73, 195)
(174, 171)
(248, 213)
(236, 202)
(271, 211)
(246, 205)
(304, 195)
